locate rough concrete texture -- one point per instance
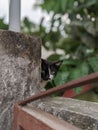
(19, 72)
(82, 114)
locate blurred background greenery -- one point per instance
(71, 34)
(73, 28)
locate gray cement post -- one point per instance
(19, 72)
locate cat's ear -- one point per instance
(58, 63)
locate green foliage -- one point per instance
(71, 70)
(78, 37)
(2, 24)
(54, 57)
(29, 27)
(74, 69)
(93, 63)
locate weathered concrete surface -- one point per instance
(82, 114)
(19, 72)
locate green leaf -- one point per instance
(88, 40)
(63, 4)
(61, 77)
(81, 70)
(90, 27)
(64, 72)
(96, 25)
(54, 57)
(86, 4)
(93, 62)
(78, 90)
(90, 2)
(3, 25)
(70, 5)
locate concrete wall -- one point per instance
(82, 114)
(19, 72)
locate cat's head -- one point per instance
(49, 69)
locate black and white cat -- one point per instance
(48, 70)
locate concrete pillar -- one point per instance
(19, 72)
(82, 114)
